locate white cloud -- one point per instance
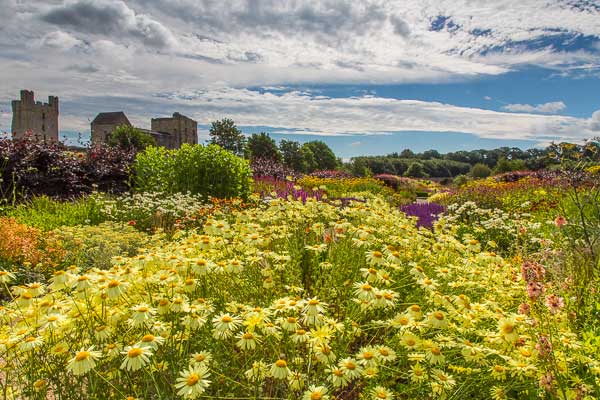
(546, 108)
(488, 98)
(59, 40)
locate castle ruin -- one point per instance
(169, 132)
(41, 120)
(37, 118)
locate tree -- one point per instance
(291, 152)
(407, 153)
(480, 170)
(416, 170)
(505, 165)
(323, 155)
(128, 137)
(262, 146)
(228, 136)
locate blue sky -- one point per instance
(367, 77)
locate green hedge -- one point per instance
(205, 170)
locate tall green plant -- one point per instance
(205, 170)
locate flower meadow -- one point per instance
(299, 300)
(196, 284)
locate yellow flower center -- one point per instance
(30, 339)
(226, 319)
(384, 352)
(192, 379)
(291, 320)
(313, 302)
(52, 318)
(26, 296)
(438, 315)
(435, 351)
(142, 309)
(377, 254)
(366, 287)
(113, 284)
(82, 355)
(367, 355)
(280, 363)
(508, 329)
(381, 395)
(135, 352)
(415, 308)
(148, 338)
(248, 336)
(350, 365)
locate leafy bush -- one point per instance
(203, 170)
(95, 246)
(264, 167)
(480, 170)
(130, 138)
(29, 168)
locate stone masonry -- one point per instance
(180, 129)
(37, 118)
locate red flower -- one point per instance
(132, 222)
(560, 221)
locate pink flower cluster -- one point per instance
(534, 273)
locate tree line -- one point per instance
(316, 155)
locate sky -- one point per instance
(367, 77)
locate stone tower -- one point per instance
(105, 123)
(180, 129)
(41, 119)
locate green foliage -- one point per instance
(95, 246)
(461, 180)
(225, 134)
(416, 170)
(293, 155)
(324, 158)
(46, 214)
(261, 145)
(128, 137)
(505, 165)
(396, 165)
(480, 170)
(204, 170)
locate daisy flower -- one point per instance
(316, 393)
(225, 325)
(279, 369)
(381, 393)
(350, 368)
(247, 341)
(151, 341)
(141, 314)
(192, 382)
(6, 277)
(83, 361)
(136, 357)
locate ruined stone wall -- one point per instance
(181, 129)
(39, 118)
(101, 132)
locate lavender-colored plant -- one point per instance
(426, 213)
